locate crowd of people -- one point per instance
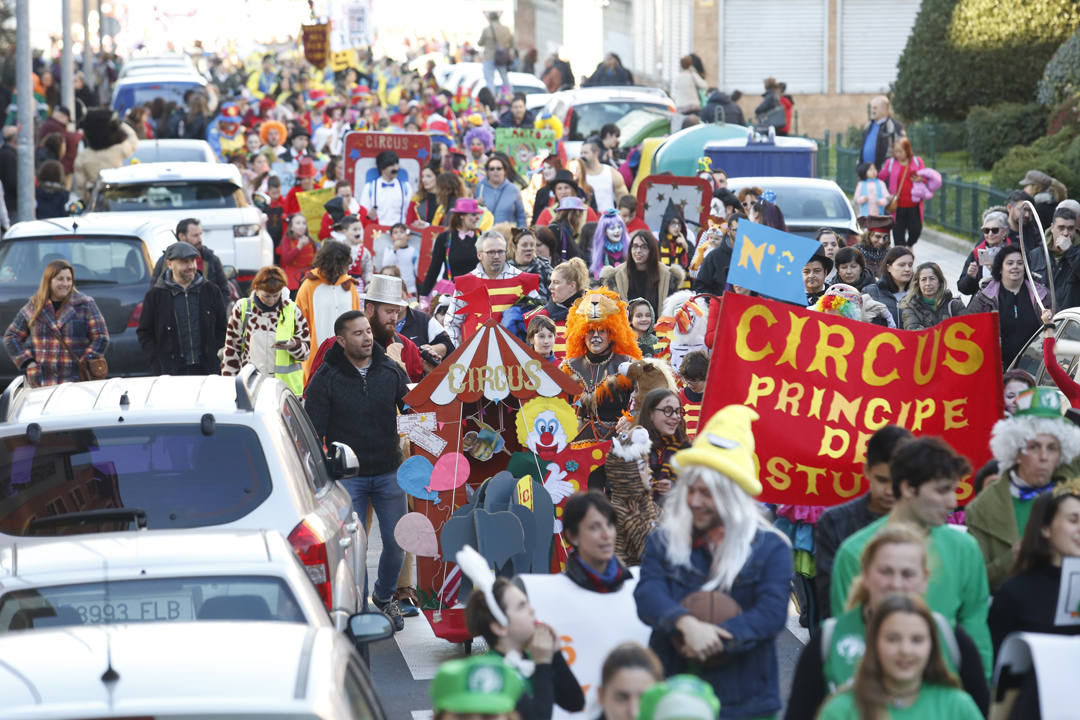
(903, 624)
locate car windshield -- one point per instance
(801, 204)
(152, 152)
(144, 93)
(154, 599)
(95, 260)
(187, 195)
(111, 478)
(588, 119)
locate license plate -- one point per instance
(156, 609)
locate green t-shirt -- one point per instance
(935, 702)
(1022, 510)
(958, 588)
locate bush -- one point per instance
(1065, 115)
(963, 53)
(991, 131)
(942, 136)
(1061, 78)
(1057, 155)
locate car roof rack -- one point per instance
(247, 384)
(9, 394)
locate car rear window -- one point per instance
(588, 119)
(811, 203)
(151, 600)
(96, 260)
(166, 153)
(173, 475)
(187, 195)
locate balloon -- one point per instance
(413, 477)
(451, 471)
(414, 533)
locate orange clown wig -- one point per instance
(264, 131)
(601, 308)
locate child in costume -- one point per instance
(481, 686)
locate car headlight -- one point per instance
(246, 230)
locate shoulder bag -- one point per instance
(894, 204)
(95, 368)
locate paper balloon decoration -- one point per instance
(451, 471)
(414, 476)
(414, 533)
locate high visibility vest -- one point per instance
(286, 368)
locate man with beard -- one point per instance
(189, 230)
(382, 307)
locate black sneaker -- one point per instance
(407, 601)
(391, 610)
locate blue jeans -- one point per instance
(489, 78)
(388, 501)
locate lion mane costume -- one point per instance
(600, 307)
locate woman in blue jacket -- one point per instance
(713, 538)
(498, 192)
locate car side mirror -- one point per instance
(343, 463)
(76, 208)
(260, 200)
(368, 627)
(230, 272)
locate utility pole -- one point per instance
(27, 105)
(88, 56)
(67, 61)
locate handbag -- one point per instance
(713, 607)
(776, 117)
(95, 368)
(895, 202)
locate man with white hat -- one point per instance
(383, 305)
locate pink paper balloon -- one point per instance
(414, 533)
(451, 471)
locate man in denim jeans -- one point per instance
(353, 398)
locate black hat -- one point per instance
(564, 176)
(299, 130)
(181, 251)
(64, 109)
(335, 208)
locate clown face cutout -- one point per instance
(547, 435)
(546, 425)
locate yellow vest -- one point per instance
(286, 368)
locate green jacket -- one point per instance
(992, 522)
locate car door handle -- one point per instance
(345, 541)
(352, 527)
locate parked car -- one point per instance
(169, 453)
(165, 576)
(585, 110)
(1066, 349)
(172, 151)
(211, 192)
(113, 257)
(141, 88)
(808, 204)
(160, 63)
(217, 670)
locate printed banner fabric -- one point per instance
(823, 384)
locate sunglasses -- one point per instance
(670, 411)
(991, 231)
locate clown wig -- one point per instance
(605, 252)
(623, 337)
(1011, 435)
(740, 515)
(483, 134)
(264, 132)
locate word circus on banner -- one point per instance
(824, 384)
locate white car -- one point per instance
(163, 63)
(167, 576)
(585, 110)
(141, 88)
(211, 192)
(220, 670)
(171, 453)
(172, 151)
(808, 204)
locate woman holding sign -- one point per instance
(1011, 295)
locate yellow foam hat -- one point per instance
(726, 444)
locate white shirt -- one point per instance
(603, 188)
(405, 260)
(388, 202)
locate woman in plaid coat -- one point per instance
(57, 308)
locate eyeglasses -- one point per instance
(670, 411)
(494, 253)
(991, 231)
(639, 247)
(495, 168)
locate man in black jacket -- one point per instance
(837, 523)
(353, 398)
(182, 326)
(880, 134)
(190, 230)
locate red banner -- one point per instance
(824, 384)
(316, 39)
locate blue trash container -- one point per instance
(769, 157)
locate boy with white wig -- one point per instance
(715, 575)
(1031, 447)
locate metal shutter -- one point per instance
(549, 33)
(872, 36)
(785, 39)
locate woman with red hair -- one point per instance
(900, 173)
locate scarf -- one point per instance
(608, 581)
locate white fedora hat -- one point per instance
(385, 289)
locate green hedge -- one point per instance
(1061, 78)
(963, 53)
(991, 131)
(943, 136)
(1057, 155)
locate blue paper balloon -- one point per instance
(414, 476)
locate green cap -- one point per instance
(680, 697)
(1039, 402)
(482, 684)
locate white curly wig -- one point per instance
(1010, 435)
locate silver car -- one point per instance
(167, 453)
(808, 204)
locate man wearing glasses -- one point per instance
(491, 253)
